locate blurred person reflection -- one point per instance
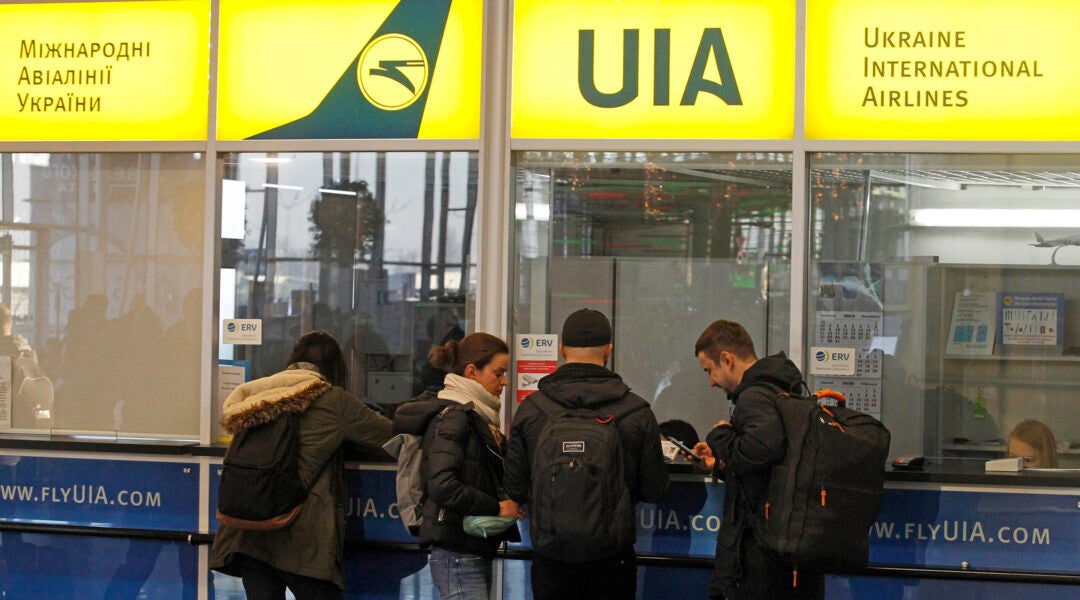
(31, 390)
(82, 402)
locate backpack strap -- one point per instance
(631, 410)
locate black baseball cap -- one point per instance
(586, 328)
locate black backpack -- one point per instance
(579, 504)
(260, 483)
(824, 496)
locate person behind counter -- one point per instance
(1034, 441)
(306, 556)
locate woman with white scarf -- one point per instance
(462, 465)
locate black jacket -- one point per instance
(462, 467)
(581, 385)
(754, 441)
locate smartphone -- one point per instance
(681, 446)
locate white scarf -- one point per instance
(464, 390)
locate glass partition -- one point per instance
(101, 261)
(954, 280)
(377, 248)
(663, 243)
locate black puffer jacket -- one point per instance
(462, 466)
(582, 385)
(754, 441)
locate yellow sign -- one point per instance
(343, 69)
(694, 69)
(933, 70)
(104, 71)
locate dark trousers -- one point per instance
(763, 577)
(611, 578)
(264, 582)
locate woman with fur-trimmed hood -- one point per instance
(306, 556)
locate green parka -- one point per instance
(313, 544)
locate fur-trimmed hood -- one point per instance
(263, 400)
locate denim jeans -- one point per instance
(460, 576)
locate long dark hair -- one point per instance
(320, 348)
(474, 349)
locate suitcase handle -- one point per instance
(833, 394)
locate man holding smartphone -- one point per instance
(742, 451)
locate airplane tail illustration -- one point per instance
(383, 91)
(1039, 238)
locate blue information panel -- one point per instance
(683, 524)
(1025, 530)
(110, 493)
(371, 512)
(1016, 531)
(215, 485)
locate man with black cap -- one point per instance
(582, 451)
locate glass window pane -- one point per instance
(102, 269)
(664, 244)
(374, 247)
(953, 277)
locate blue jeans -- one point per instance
(460, 576)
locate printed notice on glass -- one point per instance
(832, 361)
(241, 331)
(536, 356)
(971, 330)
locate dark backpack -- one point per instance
(579, 503)
(824, 496)
(260, 482)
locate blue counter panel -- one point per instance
(74, 567)
(1019, 530)
(685, 523)
(882, 588)
(988, 530)
(371, 512)
(215, 485)
(108, 493)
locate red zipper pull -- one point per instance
(766, 511)
(823, 495)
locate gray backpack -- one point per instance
(407, 450)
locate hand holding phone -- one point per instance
(684, 448)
